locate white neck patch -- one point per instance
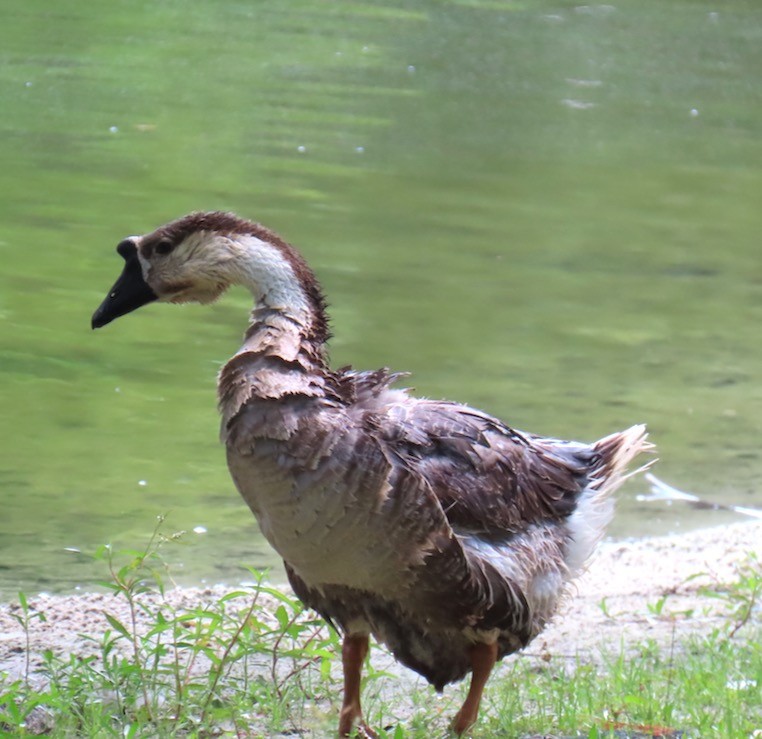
(268, 274)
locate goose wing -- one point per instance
(490, 479)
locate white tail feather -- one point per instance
(595, 508)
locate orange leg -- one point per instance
(353, 652)
(483, 658)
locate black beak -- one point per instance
(130, 291)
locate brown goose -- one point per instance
(440, 530)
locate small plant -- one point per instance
(742, 597)
(604, 606)
(657, 610)
(164, 670)
(25, 619)
(657, 607)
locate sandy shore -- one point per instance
(630, 576)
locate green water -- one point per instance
(550, 212)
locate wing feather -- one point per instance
(490, 479)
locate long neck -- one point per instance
(282, 285)
(284, 351)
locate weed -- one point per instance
(253, 662)
(238, 662)
(25, 621)
(742, 597)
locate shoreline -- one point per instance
(633, 590)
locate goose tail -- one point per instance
(595, 507)
(615, 454)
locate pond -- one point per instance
(549, 211)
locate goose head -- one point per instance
(197, 257)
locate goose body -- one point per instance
(446, 534)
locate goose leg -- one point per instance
(483, 658)
(353, 652)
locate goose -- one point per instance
(445, 534)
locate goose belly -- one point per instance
(325, 537)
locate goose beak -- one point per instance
(129, 292)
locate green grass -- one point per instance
(709, 688)
(255, 663)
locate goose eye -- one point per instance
(164, 247)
